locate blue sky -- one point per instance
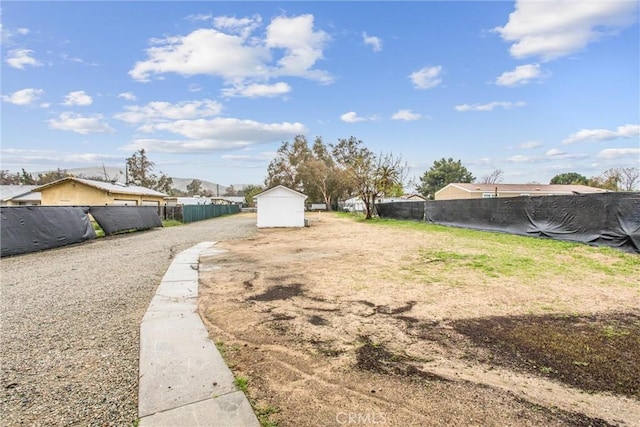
(211, 89)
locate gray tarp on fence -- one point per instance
(114, 219)
(35, 228)
(605, 219)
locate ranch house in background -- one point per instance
(485, 191)
(280, 207)
(19, 195)
(73, 191)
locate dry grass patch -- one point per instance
(427, 325)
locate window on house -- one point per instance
(489, 195)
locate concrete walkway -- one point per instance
(184, 380)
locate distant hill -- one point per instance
(216, 189)
(118, 174)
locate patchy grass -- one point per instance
(99, 231)
(263, 412)
(242, 383)
(594, 353)
(505, 255)
(171, 223)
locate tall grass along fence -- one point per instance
(604, 219)
(191, 213)
(25, 229)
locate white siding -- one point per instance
(280, 207)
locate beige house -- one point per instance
(73, 191)
(485, 191)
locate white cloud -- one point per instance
(372, 41)
(78, 97)
(203, 51)
(21, 157)
(615, 153)
(217, 135)
(80, 124)
(242, 26)
(405, 115)
(531, 144)
(258, 90)
(231, 129)
(246, 158)
(352, 117)
(23, 96)
(555, 152)
(522, 159)
(427, 77)
(302, 45)
(129, 96)
(552, 29)
(597, 135)
(199, 17)
(507, 105)
(521, 75)
(290, 47)
(7, 34)
(162, 111)
(19, 58)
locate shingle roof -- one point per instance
(108, 186)
(528, 188)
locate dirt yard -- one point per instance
(350, 323)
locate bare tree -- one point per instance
(629, 178)
(494, 177)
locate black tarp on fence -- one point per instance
(114, 219)
(604, 219)
(35, 228)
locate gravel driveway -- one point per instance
(70, 323)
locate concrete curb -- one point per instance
(183, 379)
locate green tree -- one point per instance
(194, 188)
(230, 191)
(164, 184)
(322, 176)
(369, 175)
(26, 178)
(140, 169)
(312, 171)
(442, 173)
(284, 168)
(140, 172)
(569, 178)
(249, 192)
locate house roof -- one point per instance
(271, 190)
(526, 188)
(13, 192)
(107, 186)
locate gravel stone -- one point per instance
(70, 323)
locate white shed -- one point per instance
(280, 207)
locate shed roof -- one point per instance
(526, 188)
(107, 186)
(273, 189)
